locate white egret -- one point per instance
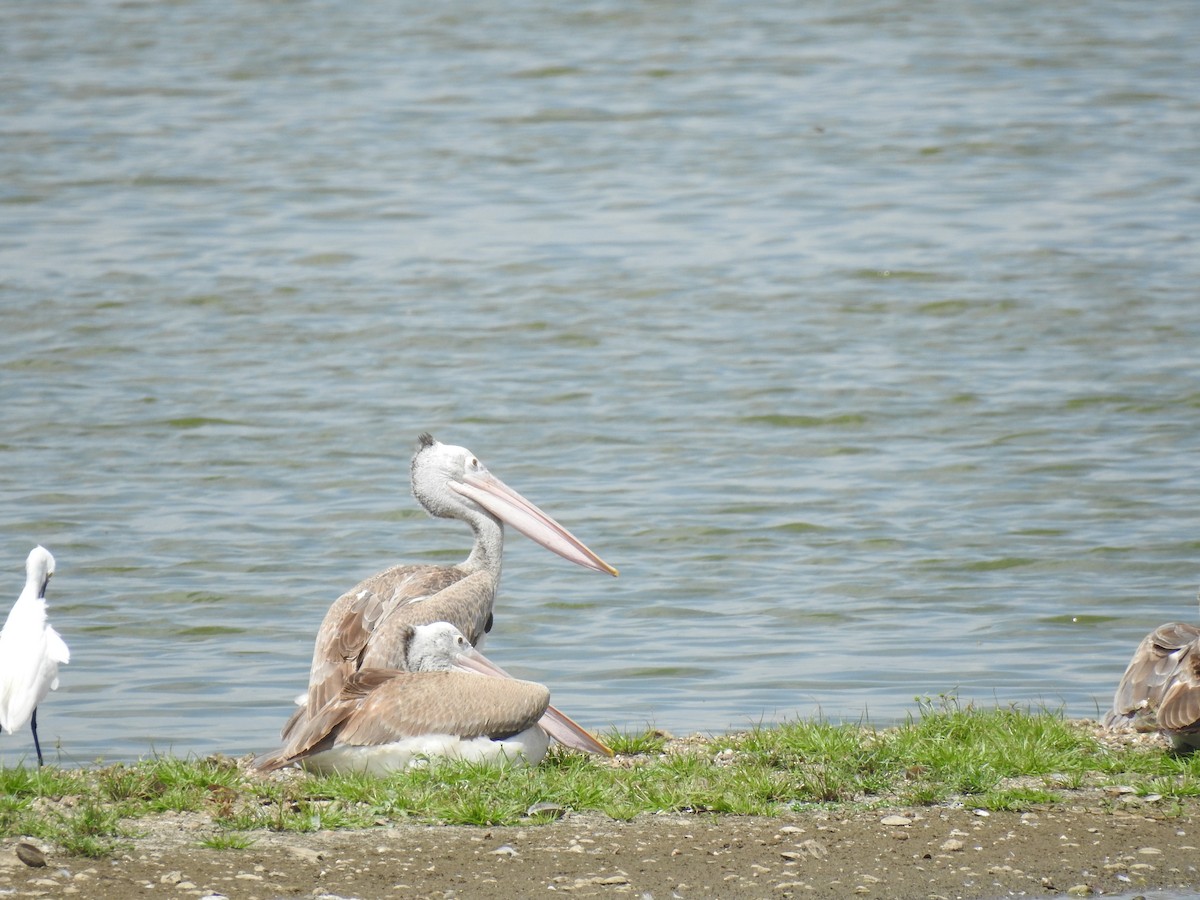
(30, 650)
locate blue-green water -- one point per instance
(861, 336)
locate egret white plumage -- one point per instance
(30, 650)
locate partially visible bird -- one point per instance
(30, 650)
(1160, 690)
(442, 705)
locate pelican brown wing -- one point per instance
(466, 604)
(307, 734)
(379, 706)
(1162, 680)
(1180, 709)
(354, 618)
(411, 704)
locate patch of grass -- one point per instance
(228, 840)
(1016, 799)
(623, 743)
(999, 759)
(90, 829)
(1179, 786)
(924, 793)
(968, 751)
(46, 781)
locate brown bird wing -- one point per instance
(1180, 708)
(466, 604)
(1163, 665)
(379, 706)
(353, 618)
(306, 734)
(411, 704)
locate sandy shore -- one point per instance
(1088, 844)
(1093, 841)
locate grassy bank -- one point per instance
(999, 759)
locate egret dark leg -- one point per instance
(36, 745)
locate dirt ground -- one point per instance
(1094, 841)
(1089, 844)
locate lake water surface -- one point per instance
(861, 336)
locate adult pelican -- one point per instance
(30, 650)
(364, 627)
(442, 705)
(1160, 690)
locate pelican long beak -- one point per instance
(511, 508)
(471, 660)
(558, 725)
(569, 733)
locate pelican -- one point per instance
(30, 650)
(364, 628)
(450, 701)
(1160, 690)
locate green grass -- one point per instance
(628, 744)
(227, 840)
(995, 759)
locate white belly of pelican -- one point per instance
(526, 748)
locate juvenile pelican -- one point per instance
(30, 650)
(1160, 690)
(449, 702)
(364, 627)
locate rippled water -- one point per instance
(861, 336)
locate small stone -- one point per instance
(170, 878)
(895, 820)
(952, 846)
(248, 876)
(1079, 890)
(815, 849)
(982, 813)
(31, 855)
(505, 850)
(1150, 851)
